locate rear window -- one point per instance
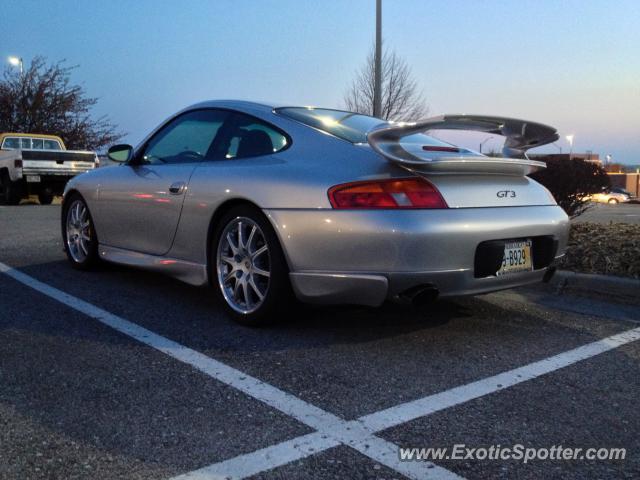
(26, 143)
(349, 126)
(52, 145)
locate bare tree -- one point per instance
(401, 97)
(43, 100)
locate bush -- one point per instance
(604, 249)
(571, 182)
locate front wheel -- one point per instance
(249, 269)
(613, 201)
(78, 234)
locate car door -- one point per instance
(140, 207)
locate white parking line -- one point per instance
(406, 412)
(330, 426)
(423, 407)
(253, 463)
(331, 431)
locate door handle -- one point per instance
(177, 188)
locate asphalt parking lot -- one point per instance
(121, 373)
(605, 213)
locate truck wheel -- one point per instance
(45, 198)
(11, 191)
(78, 234)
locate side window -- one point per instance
(52, 145)
(37, 143)
(25, 143)
(250, 137)
(11, 143)
(187, 138)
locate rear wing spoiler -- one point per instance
(521, 135)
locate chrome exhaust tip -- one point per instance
(420, 295)
(425, 297)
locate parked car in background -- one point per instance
(265, 203)
(34, 164)
(613, 195)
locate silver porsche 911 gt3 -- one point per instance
(271, 203)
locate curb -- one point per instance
(602, 284)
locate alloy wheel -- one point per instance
(243, 265)
(78, 231)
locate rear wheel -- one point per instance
(11, 191)
(613, 201)
(78, 234)
(249, 269)
(45, 198)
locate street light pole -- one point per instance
(570, 140)
(377, 83)
(17, 62)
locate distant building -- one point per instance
(587, 157)
(629, 181)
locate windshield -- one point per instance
(620, 190)
(349, 126)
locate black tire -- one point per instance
(11, 191)
(279, 298)
(91, 259)
(45, 198)
(613, 201)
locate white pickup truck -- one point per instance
(39, 165)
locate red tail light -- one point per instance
(17, 163)
(399, 193)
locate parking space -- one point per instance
(176, 392)
(95, 402)
(585, 405)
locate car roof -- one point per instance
(247, 105)
(237, 105)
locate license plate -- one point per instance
(517, 257)
(33, 178)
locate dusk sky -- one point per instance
(572, 64)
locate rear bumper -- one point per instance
(373, 290)
(52, 178)
(63, 171)
(365, 257)
(46, 182)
